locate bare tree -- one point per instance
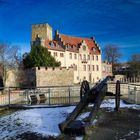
(112, 54)
(8, 59)
(134, 64)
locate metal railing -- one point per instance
(134, 93)
(131, 92)
(54, 95)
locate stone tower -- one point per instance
(43, 31)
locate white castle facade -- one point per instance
(82, 54)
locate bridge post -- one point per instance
(117, 95)
(9, 96)
(49, 91)
(69, 93)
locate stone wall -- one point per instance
(54, 77)
(123, 88)
(29, 78)
(35, 77)
(11, 78)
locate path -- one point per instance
(123, 125)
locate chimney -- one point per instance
(56, 32)
(92, 38)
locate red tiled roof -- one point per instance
(73, 42)
(77, 40)
(56, 46)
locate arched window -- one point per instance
(84, 48)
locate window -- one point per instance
(75, 56)
(70, 55)
(80, 56)
(88, 57)
(94, 50)
(68, 46)
(93, 57)
(84, 57)
(88, 67)
(93, 68)
(97, 68)
(55, 54)
(52, 44)
(61, 55)
(56, 44)
(84, 47)
(84, 67)
(97, 57)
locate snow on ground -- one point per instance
(82, 116)
(110, 103)
(79, 138)
(44, 120)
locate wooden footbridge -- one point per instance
(94, 96)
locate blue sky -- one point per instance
(108, 21)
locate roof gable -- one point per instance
(78, 40)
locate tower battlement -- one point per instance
(44, 31)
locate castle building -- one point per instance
(106, 69)
(82, 54)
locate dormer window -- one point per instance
(94, 50)
(69, 46)
(52, 44)
(66, 47)
(56, 44)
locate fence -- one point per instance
(54, 95)
(129, 91)
(134, 93)
(130, 80)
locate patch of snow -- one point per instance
(43, 120)
(110, 103)
(82, 116)
(130, 133)
(79, 138)
(94, 122)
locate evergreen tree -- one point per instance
(39, 57)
